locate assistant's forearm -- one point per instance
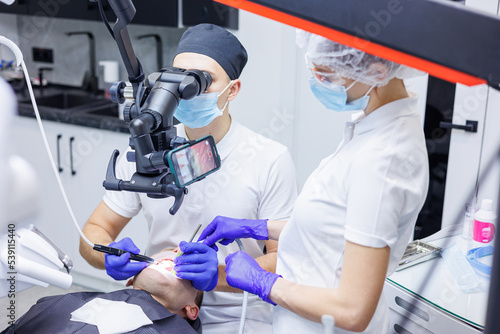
(268, 262)
(353, 302)
(96, 235)
(274, 227)
(312, 302)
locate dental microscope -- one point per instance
(149, 109)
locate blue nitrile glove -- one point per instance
(227, 229)
(120, 267)
(198, 264)
(243, 272)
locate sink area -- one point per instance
(73, 106)
(106, 111)
(68, 100)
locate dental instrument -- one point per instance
(245, 297)
(191, 240)
(118, 252)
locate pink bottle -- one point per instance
(484, 224)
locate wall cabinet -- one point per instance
(68, 9)
(156, 12)
(208, 11)
(83, 157)
(149, 12)
(18, 7)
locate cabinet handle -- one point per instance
(470, 126)
(412, 309)
(73, 172)
(59, 136)
(400, 330)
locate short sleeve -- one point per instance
(124, 203)
(380, 192)
(280, 191)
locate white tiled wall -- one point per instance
(8, 28)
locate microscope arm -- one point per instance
(153, 186)
(125, 12)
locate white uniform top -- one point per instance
(256, 181)
(368, 192)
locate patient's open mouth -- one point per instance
(164, 266)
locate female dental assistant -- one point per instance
(355, 215)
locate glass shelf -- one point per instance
(432, 282)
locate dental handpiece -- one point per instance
(118, 252)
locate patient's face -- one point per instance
(159, 279)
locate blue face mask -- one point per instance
(334, 97)
(201, 110)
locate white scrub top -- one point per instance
(256, 181)
(368, 192)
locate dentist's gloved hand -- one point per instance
(198, 264)
(243, 272)
(120, 267)
(228, 229)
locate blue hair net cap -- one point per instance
(217, 43)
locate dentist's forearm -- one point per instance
(274, 228)
(268, 262)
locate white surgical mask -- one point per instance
(201, 110)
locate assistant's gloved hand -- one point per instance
(228, 229)
(243, 272)
(120, 267)
(198, 264)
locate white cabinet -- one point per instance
(84, 154)
(425, 298)
(411, 314)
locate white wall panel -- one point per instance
(489, 169)
(489, 6)
(8, 28)
(465, 151)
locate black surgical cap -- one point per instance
(217, 43)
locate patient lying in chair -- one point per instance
(158, 303)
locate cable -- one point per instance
(51, 157)
(245, 297)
